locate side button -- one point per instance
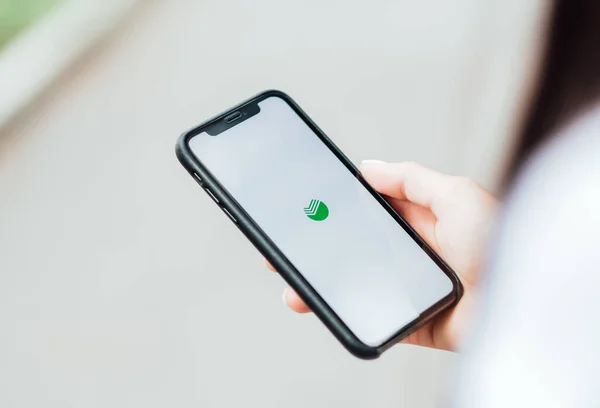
(229, 214)
(212, 195)
(198, 179)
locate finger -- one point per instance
(271, 267)
(291, 298)
(420, 218)
(409, 181)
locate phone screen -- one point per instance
(356, 256)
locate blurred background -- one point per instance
(121, 284)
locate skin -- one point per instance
(454, 215)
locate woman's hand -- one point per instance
(453, 215)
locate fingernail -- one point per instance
(373, 162)
(284, 297)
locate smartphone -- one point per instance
(339, 244)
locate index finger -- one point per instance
(270, 266)
(408, 181)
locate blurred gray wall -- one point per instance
(123, 285)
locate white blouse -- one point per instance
(535, 341)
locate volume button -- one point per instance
(229, 214)
(212, 195)
(198, 180)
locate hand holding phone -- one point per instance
(344, 249)
(453, 215)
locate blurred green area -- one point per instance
(16, 15)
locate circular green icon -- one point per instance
(316, 210)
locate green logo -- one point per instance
(316, 210)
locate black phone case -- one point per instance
(272, 253)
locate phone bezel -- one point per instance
(276, 257)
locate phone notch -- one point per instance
(233, 118)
